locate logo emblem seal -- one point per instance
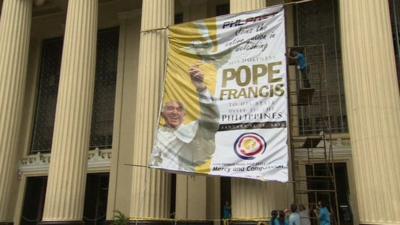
(249, 145)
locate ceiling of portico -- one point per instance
(50, 7)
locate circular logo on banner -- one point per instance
(249, 145)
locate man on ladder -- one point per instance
(302, 65)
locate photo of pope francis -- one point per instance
(183, 147)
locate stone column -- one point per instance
(15, 26)
(373, 108)
(191, 197)
(255, 199)
(67, 173)
(237, 6)
(150, 197)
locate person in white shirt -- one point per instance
(304, 215)
(294, 217)
(185, 146)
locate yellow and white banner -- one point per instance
(224, 108)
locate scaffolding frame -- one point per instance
(312, 149)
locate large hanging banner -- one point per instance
(224, 107)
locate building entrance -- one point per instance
(35, 192)
(226, 198)
(342, 190)
(95, 199)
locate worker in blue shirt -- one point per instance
(323, 215)
(302, 65)
(274, 218)
(227, 213)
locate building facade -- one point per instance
(80, 85)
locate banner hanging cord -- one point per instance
(137, 165)
(284, 4)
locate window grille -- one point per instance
(49, 76)
(104, 93)
(104, 96)
(317, 24)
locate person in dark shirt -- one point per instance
(227, 213)
(274, 218)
